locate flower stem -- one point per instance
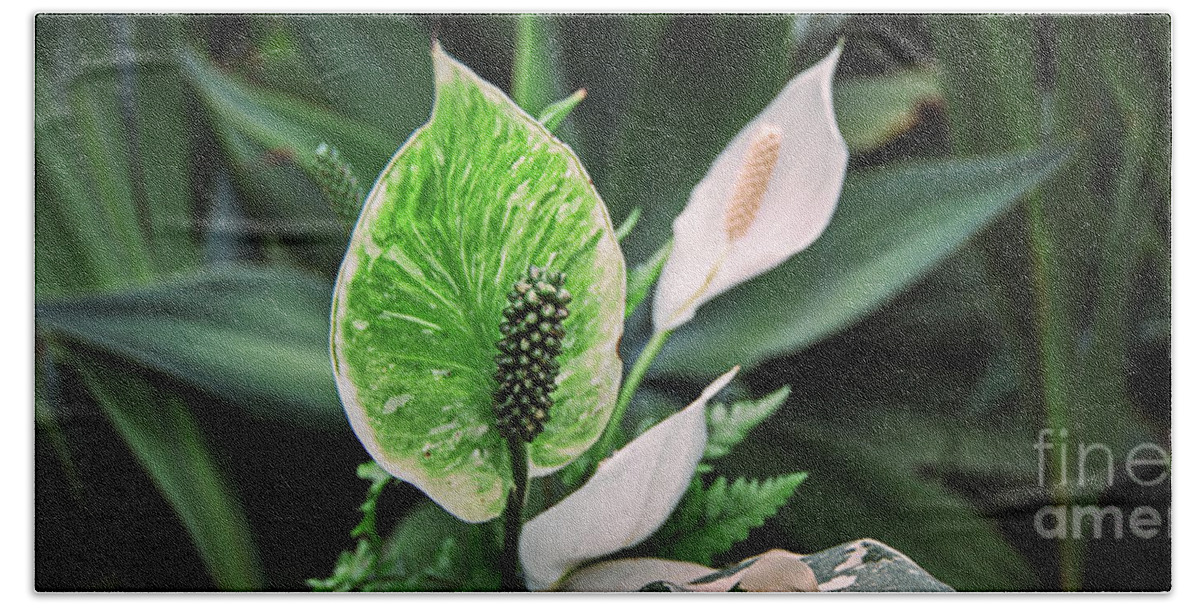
(518, 454)
(647, 356)
(1053, 366)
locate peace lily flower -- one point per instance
(629, 497)
(767, 197)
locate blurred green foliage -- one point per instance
(966, 295)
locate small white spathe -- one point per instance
(629, 497)
(768, 196)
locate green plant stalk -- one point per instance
(1003, 89)
(607, 441)
(1051, 320)
(46, 422)
(533, 77)
(518, 454)
(1126, 224)
(1053, 377)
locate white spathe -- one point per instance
(628, 498)
(796, 142)
(634, 573)
(774, 571)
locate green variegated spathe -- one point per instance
(472, 200)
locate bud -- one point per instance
(338, 184)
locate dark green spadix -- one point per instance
(526, 367)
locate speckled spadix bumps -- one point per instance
(526, 368)
(474, 199)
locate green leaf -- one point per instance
(160, 136)
(379, 479)
(166, 439)
(890, 228)
(337, 74)
(875, 110)
(871, 478)
(989, 81)
(1076, 258)
(466, 206)
(629, 224)
(271, 139)
(642, 278)
(729, 425)
(553, 114)
(374, 69)
(352, 570)
(282, 123)
(105, 102)
(710, 520)
(47, 428)
(255, 336)
(276, 203)
(1101, 371)
(436, 552)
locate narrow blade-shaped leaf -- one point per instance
(280, 122)
(890, 228)
(642, 278)
(250, 335)
(555, 113)
(166, 439)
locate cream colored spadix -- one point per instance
(755, 175)
(628, 498)
(768, 196)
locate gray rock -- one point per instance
(864, 565)
(871, 566)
